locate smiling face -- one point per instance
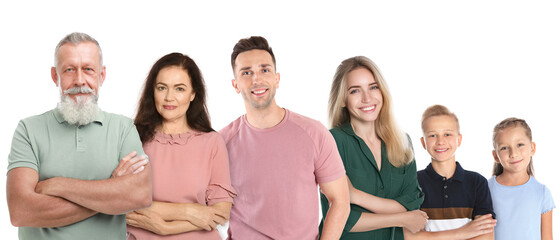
(441, 138)
(514, 150)
(256, 78)
(173, 93)
(78, 66)
(363, 96)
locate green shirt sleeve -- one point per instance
(22, 154)
(131, 141)
(412, 196)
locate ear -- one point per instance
(234, 84)
(192, 96)
(459, 139)
(277, 79)
(103, 74)
(54, 75)
(423, 143)
(496, 157)
(533, 149)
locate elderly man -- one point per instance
(74, 171)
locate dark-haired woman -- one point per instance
(192, 190)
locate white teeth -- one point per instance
(440, 150)
(259, 92)
(368, 108)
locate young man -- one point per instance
(66, 179)
(277, 157)
(458, 202)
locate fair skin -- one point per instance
(173, 94)
(60, 201)
(514, 151)
(256, 80)
(441, 138)
(364, 101)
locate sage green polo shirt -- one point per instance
(390, 182)
(52, 147)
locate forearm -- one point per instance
(375, 204)
(335, 220)
(111, 196)
(31, 209)
(176, 227)
(374, 221)
(487, 236)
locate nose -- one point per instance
(80, 78)
(514, 153)
(439, 140)
(366, 97)
(169, 95)
(256, 78)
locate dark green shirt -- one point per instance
(390, 182)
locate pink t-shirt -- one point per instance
(276, 171)
(191, 167)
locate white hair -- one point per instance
(81, 111)
(77, 38)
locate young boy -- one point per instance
(458, 202)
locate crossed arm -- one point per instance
(164, 218)
(59, 201)
(384, 213)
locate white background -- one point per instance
(485, 60)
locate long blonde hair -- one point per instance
(399, 150)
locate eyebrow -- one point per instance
(356, 86)
(174, 85)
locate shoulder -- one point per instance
(474, 176)
(114, 118)
(312, 127)
(40, 118)
(231, 130)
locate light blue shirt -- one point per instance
(519, 209)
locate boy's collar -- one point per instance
(458, 173)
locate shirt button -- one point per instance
(381, 187)
(445, 196)
(444, 187)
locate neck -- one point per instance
(445, 169)
(364, 130)
(513, 179)
(265, 117)
(174, 127)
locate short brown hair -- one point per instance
(510, 123)
(251, 43)
(438, 110)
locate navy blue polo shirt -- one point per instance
(453, 202)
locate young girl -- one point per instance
(523, 205)
(377, 156)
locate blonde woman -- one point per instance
(377, 155)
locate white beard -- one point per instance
(83, 110)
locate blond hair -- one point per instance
(398, 147)
(438, 110)
(499, 128)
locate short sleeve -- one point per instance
(219, 188)
(328, 164)
(484, 204)
(411, 196)
(548, 204)
(22, 153)
(131, 141)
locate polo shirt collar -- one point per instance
(458, 173)
(100, 118)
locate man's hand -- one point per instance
(130, 164)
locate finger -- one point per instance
(220, 220)
(135, 168)
(129, 166)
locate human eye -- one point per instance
(431, 135)
(503, 148)
(180, 89)
(68, 69)
(374, 87)
(265, 70)
(521, 145)
(160, 88)
(353, 91)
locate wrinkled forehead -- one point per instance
(81, 53)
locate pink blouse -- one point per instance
(191, 167)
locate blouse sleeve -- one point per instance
(219, 189)
(411, 196)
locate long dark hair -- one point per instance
(197, 117)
